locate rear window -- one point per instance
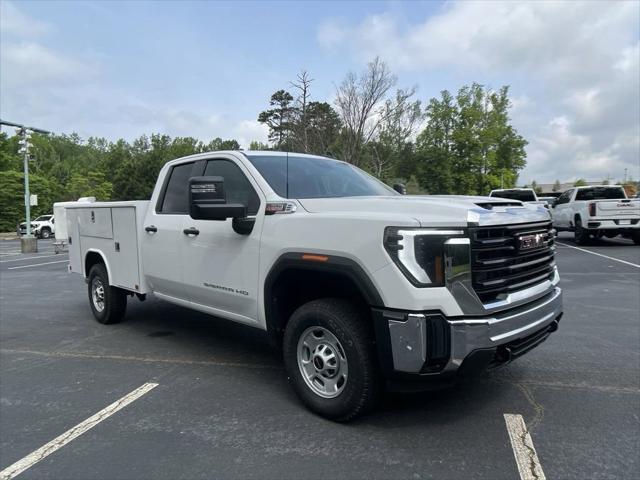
(600, 193)
(522, 195)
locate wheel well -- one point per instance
(294, 287)
(92, 258)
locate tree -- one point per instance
(256, 145)
(300, 122)
(469, 145)
(556, 186)
(581, 182)
(279, 119)
(400, 117)
(357, 100)
(323, 128)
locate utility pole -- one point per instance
(28, 243)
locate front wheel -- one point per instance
(45, 233)
(330, 359)
(108, 304)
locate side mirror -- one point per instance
(554, 203)
(400, 188)
(207, 200)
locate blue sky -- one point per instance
(206, 69)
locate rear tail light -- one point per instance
(592, 209)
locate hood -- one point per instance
(433, 210)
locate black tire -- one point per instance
(581, 235)
(349, 324)
(636, 238)
(45, 233)
(114, 300)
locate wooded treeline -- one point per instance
(460, 143)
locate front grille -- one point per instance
(501, 265)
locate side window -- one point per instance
(237, 187)
(176, 199)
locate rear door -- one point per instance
(220, 266)
(162, 234)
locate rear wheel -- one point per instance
(330, 359)
(581, 235)
(108, 304)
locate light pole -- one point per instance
(28, 244)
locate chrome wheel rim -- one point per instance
(97, 294)
(322, 362)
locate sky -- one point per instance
(120, 69)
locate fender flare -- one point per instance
(104, 261)
(334, 264)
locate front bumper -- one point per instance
(428, 346)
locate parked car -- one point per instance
(42, 227)
(360, 286)
(597, 211)
(526, 195)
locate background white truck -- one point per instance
(597, 211)
(43, 227)
(360, 286)
(525, 195)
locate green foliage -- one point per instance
(581, 182)
(469, 145)
(556, 186)
(12, 198)
(279, 118)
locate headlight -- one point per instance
(419, 253)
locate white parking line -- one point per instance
(599, 255)
(32, 258)
(36, 265)
(523, 449)
(60, 441)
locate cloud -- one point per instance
(580, 98)
(15, 23)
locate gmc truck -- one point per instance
(361, 288)
(596, 212)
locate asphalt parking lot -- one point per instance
(222, 407)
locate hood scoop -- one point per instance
(490, 205)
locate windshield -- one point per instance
(600, 193)
(522, 195)
(315, 177)
(43, 218)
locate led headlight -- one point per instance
(419, 253)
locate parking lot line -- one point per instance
(60, 441)
(599, 254)
(32, 258)
(36, 265)
(523, 449)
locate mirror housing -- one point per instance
(207, 200)
(400, 188)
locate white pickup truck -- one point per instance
(597, 211)
(525, 195)
(43, 227)
(361, 287)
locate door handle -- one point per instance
(150, 229)
(191, 231)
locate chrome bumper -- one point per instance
(408, 336)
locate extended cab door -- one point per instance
(162, 235)
(220, 266)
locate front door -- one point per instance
(220, 267)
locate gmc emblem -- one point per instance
(527, 242)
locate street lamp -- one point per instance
(28, 244)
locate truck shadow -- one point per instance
(188, 334)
